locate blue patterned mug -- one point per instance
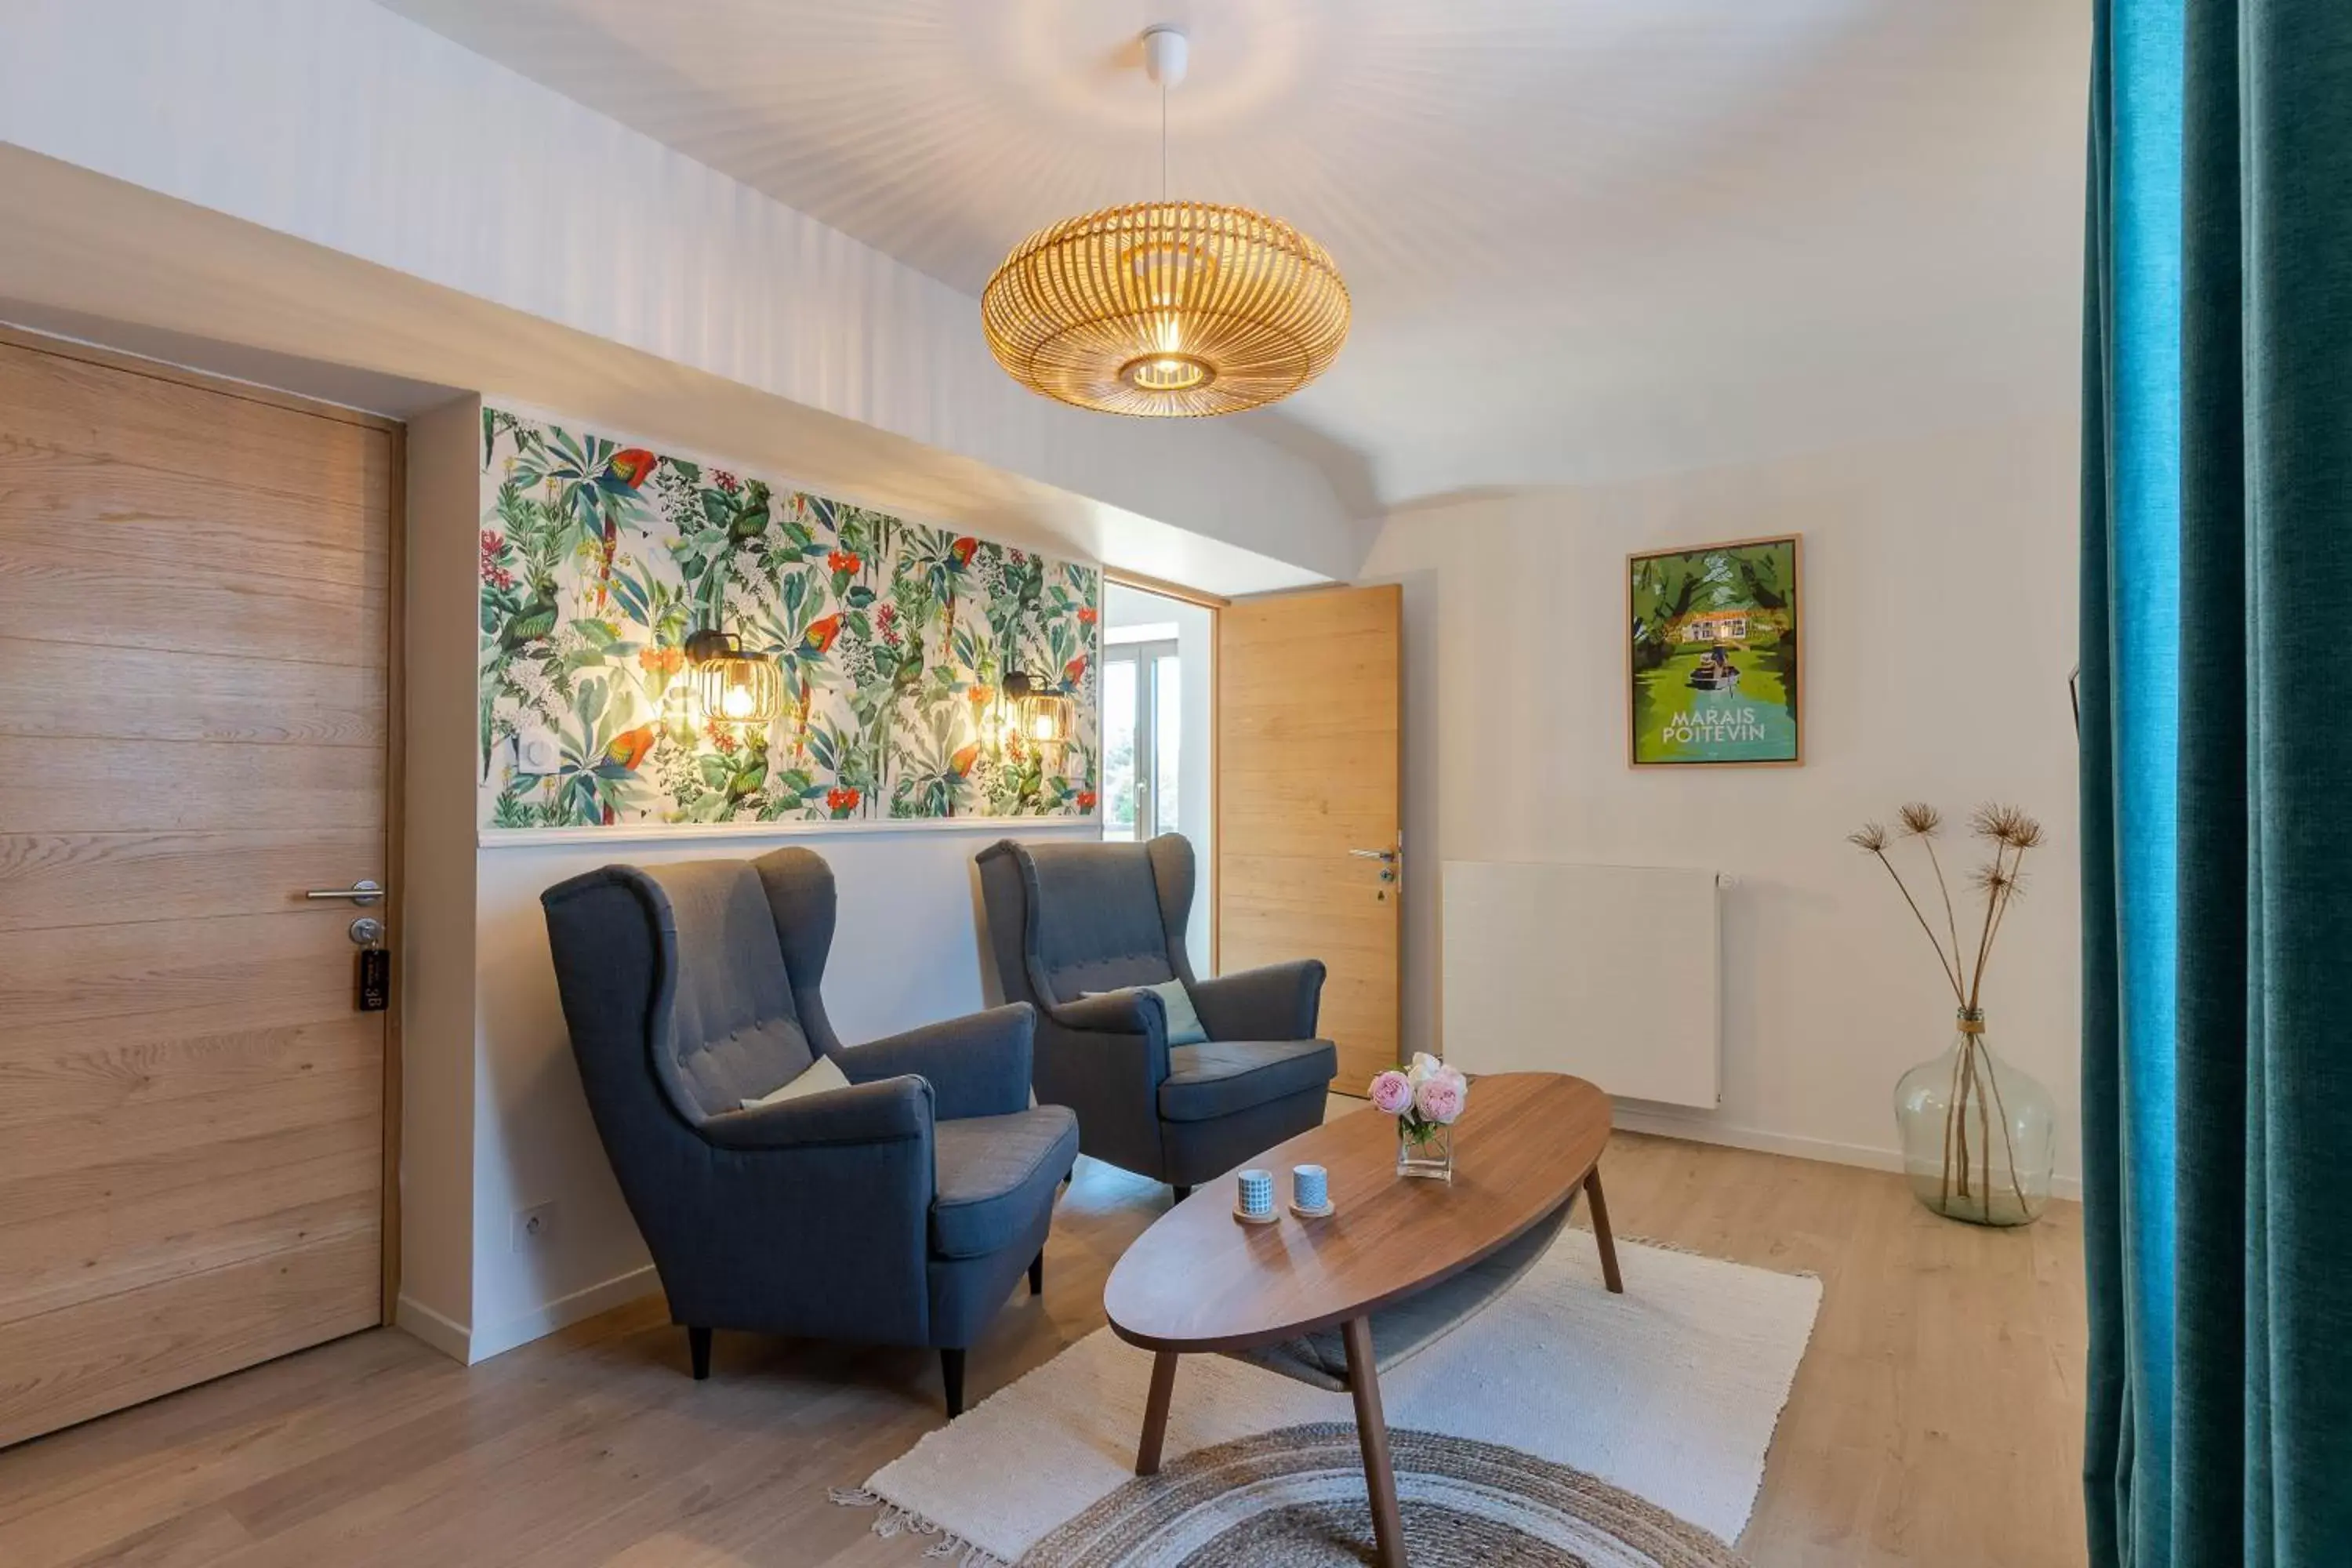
(1257, 1191)
(1310, 1186)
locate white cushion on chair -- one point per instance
(818, 1076)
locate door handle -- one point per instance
(1389, 855)
(366, 890)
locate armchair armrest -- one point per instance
(1104, 1057)
(808, 1216)
(889, 1110)
(1279, 1002)
(1114, 1013)
(977, 1065)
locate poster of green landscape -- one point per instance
(1714, 667)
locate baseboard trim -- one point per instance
(416, 1318)
(1699, 1129)
(563, 1312)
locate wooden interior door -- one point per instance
(196, 632)
(1309, 768)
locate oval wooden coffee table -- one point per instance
(1199, 1280)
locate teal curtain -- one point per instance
(2217, 783)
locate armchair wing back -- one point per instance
(735, 1027)
(1067, 921)
(1092, 917)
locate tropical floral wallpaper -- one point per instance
(598, 561)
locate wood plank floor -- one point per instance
(1935, 1420)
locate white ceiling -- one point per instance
(1585, 238)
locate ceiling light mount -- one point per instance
(1166, 308)
(1167, 54)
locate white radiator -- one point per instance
(1611, 973)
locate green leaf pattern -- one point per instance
(599, 560)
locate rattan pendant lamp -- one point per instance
(1166, 308)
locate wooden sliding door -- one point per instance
(196, 614)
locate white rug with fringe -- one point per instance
(1670, 1391)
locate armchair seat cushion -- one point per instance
(1218, 1078)
(996, 1173)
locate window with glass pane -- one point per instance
(1167, 737)
(1119, 713)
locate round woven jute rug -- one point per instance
(1294, 1499)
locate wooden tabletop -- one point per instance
(1200, 1279)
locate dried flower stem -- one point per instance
(2008, 896)
(1993, 889)
(1950, 920)
(1984, 1133)
(1951, 975)
(1952, 1096)
(2009, 1142)
(1958, 1113)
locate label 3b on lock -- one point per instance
(374, 965)
(376, 980)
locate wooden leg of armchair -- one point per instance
(951, 1374)
(698, 1349)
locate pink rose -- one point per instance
(1440, 1096)
(1392, 1092)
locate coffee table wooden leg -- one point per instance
(1372, 1432)
(1155, 1413)
(1599, 1207)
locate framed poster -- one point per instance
(1715, 657)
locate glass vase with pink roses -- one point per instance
(1426, 1099)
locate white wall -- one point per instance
(1196, 649)
(1939, 616)
(435, 886)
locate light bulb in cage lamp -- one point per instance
(730, 686)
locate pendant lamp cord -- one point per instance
(1163, 144)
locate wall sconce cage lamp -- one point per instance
(1045, 720)
(730, 686)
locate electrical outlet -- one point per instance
(533, 1225)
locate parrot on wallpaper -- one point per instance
(631, 465)
(909, 673)
(958, 560)
(961, 762)
(817, 641)
(630, 747)
(751, 519)
(625, 471)
(745, 784)
(534, 619)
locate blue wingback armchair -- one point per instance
(1074, 927)
(898, 1210)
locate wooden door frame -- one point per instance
(395, 698)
